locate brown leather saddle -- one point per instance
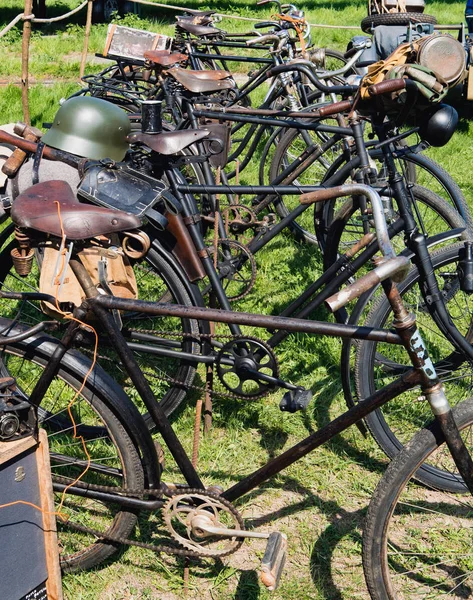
(169, 142)
(204, 81)
(164, 58)
(36, 208)
(198, 30)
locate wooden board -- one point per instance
(30, 568)
(126, 42)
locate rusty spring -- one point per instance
(22, 256)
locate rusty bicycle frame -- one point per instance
(406, 334)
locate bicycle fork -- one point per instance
(406, 326)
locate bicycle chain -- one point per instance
(190, 386)
(161, 548)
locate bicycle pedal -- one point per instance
(274, 560)
(294, 400)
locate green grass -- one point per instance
(320, 501)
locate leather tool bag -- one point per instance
(120, 277)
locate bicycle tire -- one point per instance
(395, 19)
(416, 541)
(376, 364)
(417, 168)
(157, 278)
(436, 216)
(115, 460)
(292, 144)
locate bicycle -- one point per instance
(212, 525)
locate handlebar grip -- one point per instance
(334, 109)
(263, 39)
(396, 268)
(385, 87)
(14, 162)
(261, 2)
(265, 24)
(349, 53)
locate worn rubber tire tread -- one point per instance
(383, 501)
(394, 19)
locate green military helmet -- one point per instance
(91, 128)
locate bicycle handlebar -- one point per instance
(268, 24)
(309, 73)
(385, 87)
(264, 39)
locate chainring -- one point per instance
(182, 507)
(240, 355)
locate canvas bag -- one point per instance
(121, 278)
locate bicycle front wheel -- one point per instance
(378, 364)
(105, 420)
(417, 540)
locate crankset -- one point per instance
(247, 367)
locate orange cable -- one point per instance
(94, 360)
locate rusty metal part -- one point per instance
(256, 320)
(360, 244)
(355, 189)
(444, 55)
(18, 157)
(130, 239)
(395, 268)
(179, 512)
(22, 256)
(22, 261)
(456, 445)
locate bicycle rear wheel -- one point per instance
(158, 279)
(417, 540)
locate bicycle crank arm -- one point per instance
(202, 526)
(273, 380)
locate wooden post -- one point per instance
(25, 52)
(88, 25)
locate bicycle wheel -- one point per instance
(416, 169)
(377, 364)
(432, 213)
(290, 161)
(103, 416)
(416, 540)
(158, 280)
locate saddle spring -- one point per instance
(22, 256)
